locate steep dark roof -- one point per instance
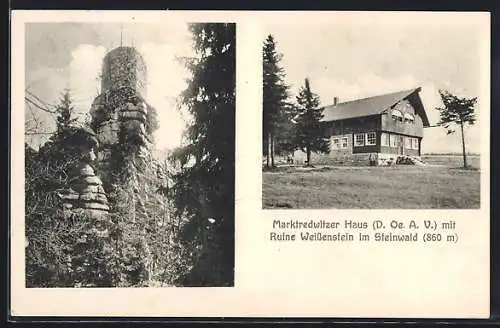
(373, 106)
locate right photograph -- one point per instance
(372, 116)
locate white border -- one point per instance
(279, 280)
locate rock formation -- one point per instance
(86, 190)
(115, 181)
(120, 143)
(120, 113)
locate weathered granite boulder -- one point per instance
(85, 190)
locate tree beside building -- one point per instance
(310, 133)
(276, 109)
(458, 112)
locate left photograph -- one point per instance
(129, 154)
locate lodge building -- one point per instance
(380, 128)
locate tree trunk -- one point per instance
(308, 156)
(272, 151)
(268, 156)
(463, 144)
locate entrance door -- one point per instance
(401, 146)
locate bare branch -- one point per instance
(39, 106)
(38, 99)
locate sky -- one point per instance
(360, 59)
(354, 60)
(69, 55)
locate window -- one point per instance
(415, 143)
(345, 142)
(371, 139)
(409, 118)
(359, 139)
(335, 143)
(394, 140)
(408, 143)
(384, 139)
(397, 115)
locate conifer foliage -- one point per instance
(310, 132)
(65, 110)
(276, 109)
(204, 188)
(456, 111)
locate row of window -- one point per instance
(336, 144)
(397, 115)
(365, 139)
(360, 139)
(393, 140)
(370, 139)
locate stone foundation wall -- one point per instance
(363, 159)
(334, 159)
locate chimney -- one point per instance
(335, 101)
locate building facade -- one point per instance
(375, 130)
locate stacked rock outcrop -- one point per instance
(133, 117)
(88, 185)
(85, 187)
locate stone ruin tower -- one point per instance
(120, 112)
(122, 124)
(122, 119)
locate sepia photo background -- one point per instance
(69, 55)
(361, 59)
(274, 279)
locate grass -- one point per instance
(401, 187)
(451, 160)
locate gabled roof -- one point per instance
(373, 106)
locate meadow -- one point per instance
(443, 183)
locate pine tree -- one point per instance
(310, 132)
(62, 149)
(64, 111)
(458, 111)
(203, 190)
(275, 94)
